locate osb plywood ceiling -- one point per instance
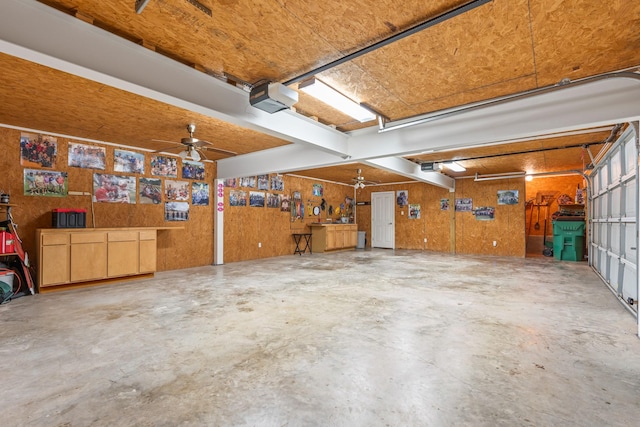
(500, 48)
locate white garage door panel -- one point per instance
(616, 165)
(614, 272)
(630, 157)
(616, 208)
(614, 218)
(630, 197)
(603, 202)
(602, 262)
(596, 230)
(630, 250)
(615, 239)
(629, 286)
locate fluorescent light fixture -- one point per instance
(455, 167)
(335, 99)
(494, 176)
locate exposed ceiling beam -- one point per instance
(291, 158)
(593, 102)
(288, 158)
(412, 170)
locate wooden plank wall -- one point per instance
(176, 248)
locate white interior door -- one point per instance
(613, 237)
(383, 220)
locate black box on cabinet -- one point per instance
(69, 218)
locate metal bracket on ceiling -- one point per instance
(586, 148)
(200, 6)
(140, 5)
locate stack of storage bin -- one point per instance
(69, 218)
(568, 240)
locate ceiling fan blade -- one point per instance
(205, 142)
(171, 148)
(219, 150)
(201, 153)
(169, 142)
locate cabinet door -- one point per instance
(54, 265)
(331, 238)
(339, 238)
(88, 261)
(148, 251)
(122, 255)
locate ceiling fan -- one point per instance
(194, 147)
(360, 182)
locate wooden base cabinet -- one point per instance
(88, 257)
(67, 256)
(333, 237)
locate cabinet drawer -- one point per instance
(148, 235)
(123, 236)
(87, 238)
(55, 239)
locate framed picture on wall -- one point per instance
(150, 190)
(38, 182)
(176, 211)
(248, 181)
(402, 198)
(277, 183)
(192, 170)
(164, 166)
(38, 151)
(414, 211)
(237, 198)
(87, 156)
(464, 204)
(176, 190)
(508, 197)
(273, 200)
(256, 199)
(114, 188)
(263, 182)
(486, 213)
(200, 194)
(128, 161)
(285, 203)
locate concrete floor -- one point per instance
(362, 338)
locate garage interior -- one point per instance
(457, 321)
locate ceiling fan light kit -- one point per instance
(194, 147)
(360, 182)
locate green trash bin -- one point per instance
(568, 240)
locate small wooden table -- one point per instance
(297, 237)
